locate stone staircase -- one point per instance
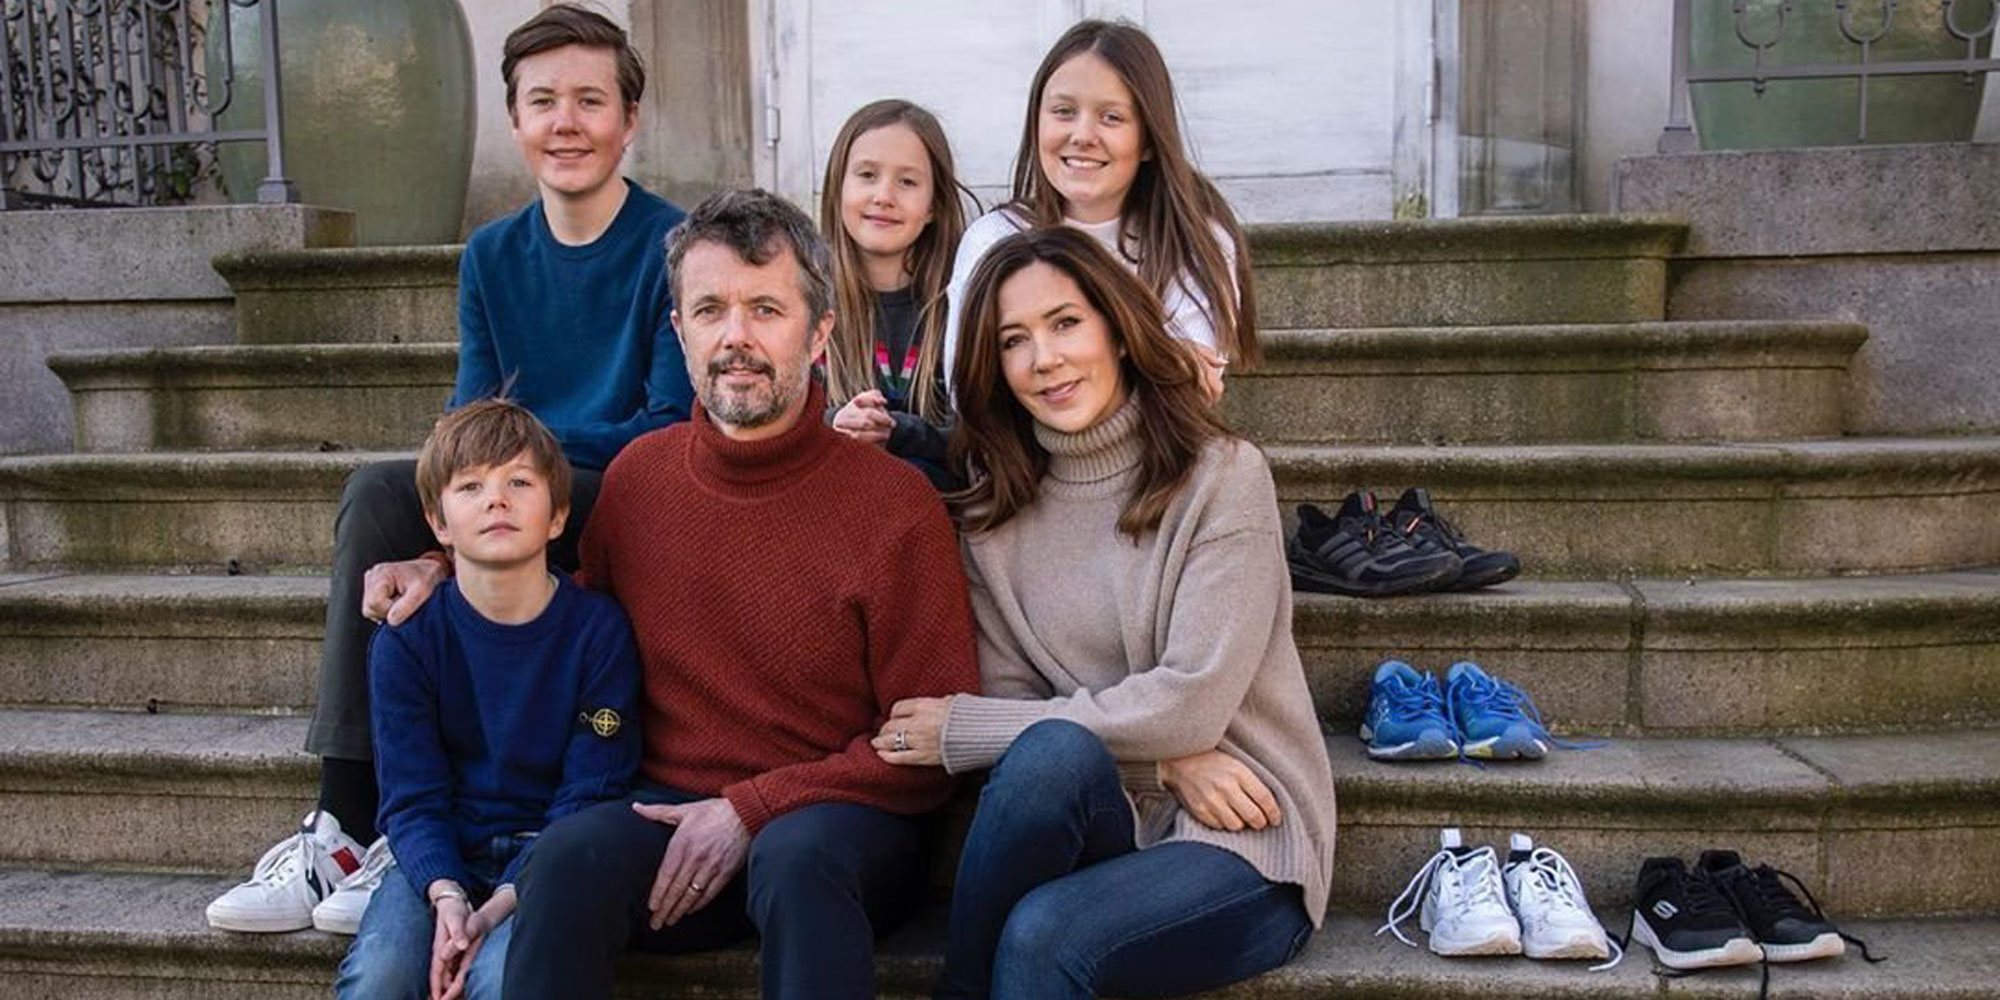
(1791, 637)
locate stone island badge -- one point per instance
(604, 722)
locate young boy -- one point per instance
(564, 304)
(505, 703)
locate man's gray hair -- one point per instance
(752, 223)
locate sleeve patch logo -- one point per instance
(604, 722)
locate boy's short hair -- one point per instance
(568, 24)
(489, 432)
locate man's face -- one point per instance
(749, 339)
(570, 120)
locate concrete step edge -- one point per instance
(182, 475)
(89, 924)
(1473, 241)
(341, 267)
(319, 365)
(1555, 466)
(1595, 346)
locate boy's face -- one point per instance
(570, 119)
(498, 516)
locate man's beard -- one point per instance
(753, 407)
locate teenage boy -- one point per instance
(565, 306)
(507, 702)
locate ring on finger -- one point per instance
(695, 887)
(902, 740)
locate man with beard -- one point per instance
(786, 586)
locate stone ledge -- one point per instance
(128, 254)
(1550, 237)
(346, 267)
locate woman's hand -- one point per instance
(1210, 366)
(1219, 791)
(914, 734)
(866, 418)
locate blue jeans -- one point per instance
(1053, 901)
(390, 958)
(821, 882)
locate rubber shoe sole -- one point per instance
(1737, 951)
(1581, 945)
(1828, 945)
(1503, 941)
(1511, 745)
(257, 922)
(1437, 576)
(1433, 744)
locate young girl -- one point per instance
(890, 210)
(1102, 151)
(1159, 817)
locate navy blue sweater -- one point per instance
(483, 729)
(578, 335)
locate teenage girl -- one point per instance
(1101, 151)
(891, 211)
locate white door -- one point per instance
(1295, 107)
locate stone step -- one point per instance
(248, 398)
(161, 643)
(1463, 272)
(1717, 381)
(1794, 508)
(1645, 657)
(1672, 657)
(173, 510)
(1878, 825)
(109, 936)
(356, 295)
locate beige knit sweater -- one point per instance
(1178, 644)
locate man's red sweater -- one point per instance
(784, 593)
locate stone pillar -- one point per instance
(695, 129)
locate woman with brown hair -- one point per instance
(891, 212)
(1102, 152)
(1159, 818)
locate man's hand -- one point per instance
(449, 945)
(866, 418)
(707, 850)
(914, 734)
(477, 928)
(1219, 791)
(392, 592)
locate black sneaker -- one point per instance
(1785, 927)
(1427, 531)
(1687, 921)
(1358, 554)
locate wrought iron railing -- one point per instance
(104, 102)
(1863, 33)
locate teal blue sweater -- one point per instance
(483, 729)
(578, 335)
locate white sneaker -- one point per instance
(1463, 902)
(341, 912)
(1547, 898)
(290, 879)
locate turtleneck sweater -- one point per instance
(784, 593)
(1179, 644)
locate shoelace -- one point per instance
(282, 861)
(1421, 700)
(373, 865)
(1436, 524)
(1772, 893)
(1481, 867)
(1494, 696)
(1548, 874)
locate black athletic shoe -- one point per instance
(1427, 531)
(1687, 921)
(1358, 554)
(1786, 929)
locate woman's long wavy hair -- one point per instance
(1171, 207)
(850, 354)
(994, 448)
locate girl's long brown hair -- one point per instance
(994, 447)
(1171, 207)
(850, 354)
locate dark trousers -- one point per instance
(822, 881)
(1054, 902)
(381, 520)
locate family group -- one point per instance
(742, 537)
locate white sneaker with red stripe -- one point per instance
(341, 912)
(290, 879)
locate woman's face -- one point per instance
(886, 196)
(1088, 137)
(1057, 351)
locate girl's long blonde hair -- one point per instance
(1171, 206)
(850, 355)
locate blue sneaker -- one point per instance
(1406, 716)
(1496, 720)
